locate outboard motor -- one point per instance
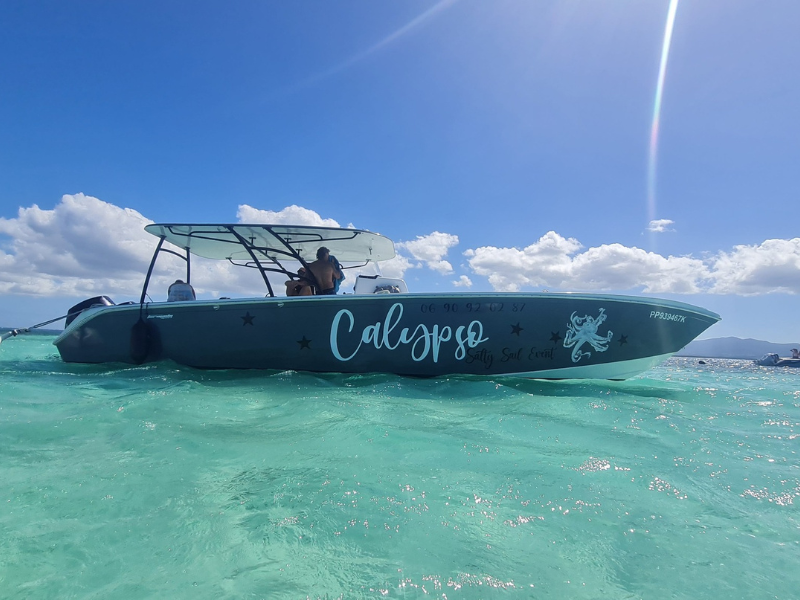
(82, 306)
(768, 360)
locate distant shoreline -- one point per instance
(733, 347)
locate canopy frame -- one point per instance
(218, 241)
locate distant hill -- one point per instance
(733, 347)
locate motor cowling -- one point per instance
(768, 360)
(82, 306)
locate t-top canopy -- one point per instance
(271, 242)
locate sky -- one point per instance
(511, 145)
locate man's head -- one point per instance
(322, 253)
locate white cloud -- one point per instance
(291, 215)
(431, 250)
(772, 266)
(396, 267)
(86, 247)
(554, 262)
(660, 225)
(539, 264)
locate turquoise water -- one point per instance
(167, 482)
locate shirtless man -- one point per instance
(324, 272)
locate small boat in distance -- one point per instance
(774, 360)
(380, 328)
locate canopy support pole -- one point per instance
(150, 270)
(310, 277)
(249, 249)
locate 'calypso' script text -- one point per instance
(424, 341)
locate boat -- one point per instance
(774, 360)
(379, 328)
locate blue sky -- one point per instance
(467, 131)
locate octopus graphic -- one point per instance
(582, 330)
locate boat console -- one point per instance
(377, 284)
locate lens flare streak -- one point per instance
(662, 71)
(391, 38)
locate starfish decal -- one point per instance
(623, 339)
(556, 337)
(247, 318)
(515, 329)
(304, 343)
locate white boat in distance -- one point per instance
(380, 328)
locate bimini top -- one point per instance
(274, 242)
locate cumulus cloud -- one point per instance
(555, 262)
(396, 267)
(772, 266)
(660, 225)
(431, 249)
(83, 246)
(291, 215)
(86, 247)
